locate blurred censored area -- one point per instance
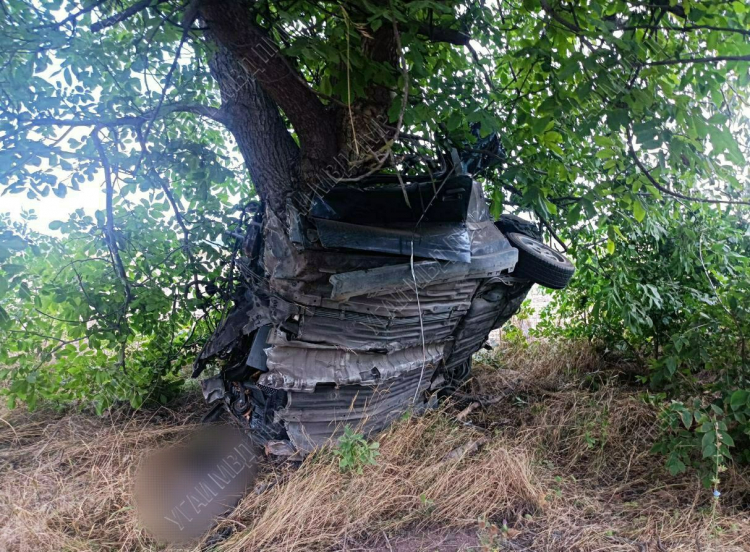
(365, 302)
(182, 489)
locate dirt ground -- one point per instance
(559, 461)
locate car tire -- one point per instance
(540, 263)
(512, 223)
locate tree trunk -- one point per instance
(270, 153)
(336, 322)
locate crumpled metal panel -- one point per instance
(449, 242)
(477, 210)
(486, 239)
(494, 303)
(401, 277)
(285, 260)
(491, 255)
(242, 321)
(433, 299)
(300, 365)
(363, 332)
(446, 200)
(349, 308)
(390, 321)
(314, 419)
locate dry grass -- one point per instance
(564, 466)
(67, 478)
(592, 433)
(413, 486)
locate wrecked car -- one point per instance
(365, 303)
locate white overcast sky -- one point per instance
(90, 198)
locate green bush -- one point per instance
(673, 292)
(74, 331)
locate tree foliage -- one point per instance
(625, 126)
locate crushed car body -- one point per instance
(367, 303)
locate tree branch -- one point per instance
(231, 25)
(478, 62)
(124, 14)
(440, 34)
(699, 60)
(269, 151)
(686, 29)
(72, 18)
(559, 18)
(181, 222)
(111, 239)
(655, 184)
(110, 220)
(167, 81)
(209, 112)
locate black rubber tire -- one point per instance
(539, 263)
(512, 223)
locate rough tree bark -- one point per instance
(270, 153)
(257, 81)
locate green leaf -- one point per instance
(726, 439)
(23, 291)
(12, 269)
(671, 363)
(739, 399)
(60, 190)
(676, 466)
(638, 211)
(4, 318)
(709, 450)
(687, 418)
(604, 141)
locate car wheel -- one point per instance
(511, 223)
(539, 263)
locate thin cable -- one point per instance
(416, 287)
(421, 325)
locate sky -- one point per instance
(90, 198)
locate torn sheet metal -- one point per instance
(241, 321)
(493, 305)
(400, 277)
(441, 200)
(433, 299)
(213, 389)
(284, 260)
(258, 358)
(477, 210)
(491, 255)
(369, 332)
(339, 308)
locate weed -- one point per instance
(354, 452)
(427, 504)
